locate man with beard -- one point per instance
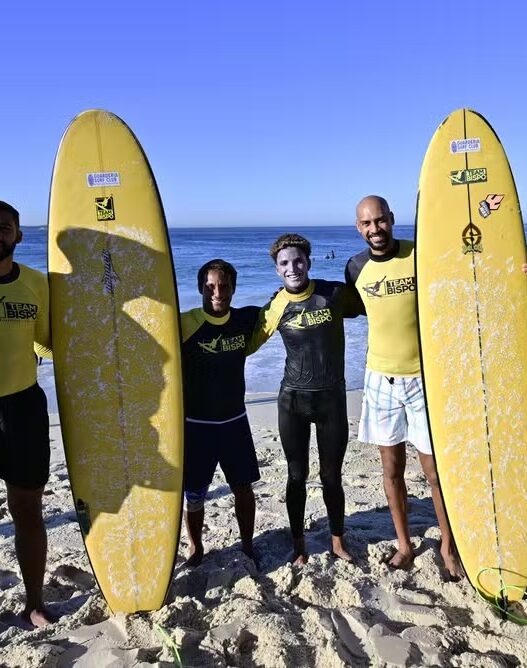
(24, 424)
(393, 407)
(217, 430)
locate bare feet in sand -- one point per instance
(39, 617)
(400, 560)
(195, 558)
(339, 549)
(299, 559)
(452, 564)
(300, 555)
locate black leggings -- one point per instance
(297, 409)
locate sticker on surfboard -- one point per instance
(103, 179)
(472, 145)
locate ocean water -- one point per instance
(247, 248)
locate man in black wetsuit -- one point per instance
(217, 430)
(309, 316)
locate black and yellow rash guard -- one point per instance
(24, 327)
(214, 352)
(386, 284)
(312, 328)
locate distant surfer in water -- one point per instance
(309, 316)
(217, 430)
(393, 407)
(24, 423)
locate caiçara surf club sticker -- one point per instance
(103, 179)
(472, 145)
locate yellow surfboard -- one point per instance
(116, 347)
(472, 305)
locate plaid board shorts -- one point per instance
(394, 411)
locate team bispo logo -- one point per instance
(463, 176)
(390, 287)
(17, 310)
(221, 345)
(105, 209)
(306, 319)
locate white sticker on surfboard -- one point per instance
(103, 179)
(465, 145)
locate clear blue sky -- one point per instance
(260, 112)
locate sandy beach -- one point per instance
(228, 613)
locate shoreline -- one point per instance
(262, 410)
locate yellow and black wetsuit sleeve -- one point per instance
(268, 321)
(352, 304)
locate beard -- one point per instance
(6, 250)
(379, 244)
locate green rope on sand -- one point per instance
(169, 641)
(499, 600)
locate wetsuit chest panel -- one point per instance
(313, 334)
(214, 363)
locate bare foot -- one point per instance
(195, 558)
(339, 550)
(299, 559)
(39, 617)
(400, 560)
(249, 552)
(452, 564)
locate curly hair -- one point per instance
(4, 206)
(217, 265)
(290, 241)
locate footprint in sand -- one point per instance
(8, 579)
(72, 574)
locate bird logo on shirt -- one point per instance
(296, 322)
(211, 346)
(374, 288)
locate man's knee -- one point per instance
(429, 469)
(242, 491)
(195, 500)
(25, 505)
(431, 476)
(331, 480)
(297, 473)
(393, 462)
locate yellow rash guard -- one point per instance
(386, 284)
(24, 327)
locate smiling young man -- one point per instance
(393, 407)
(217, 430)
(24, 424)
(309, 316)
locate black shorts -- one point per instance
(24, 438)
(229, 444)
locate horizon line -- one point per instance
(241, 226)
